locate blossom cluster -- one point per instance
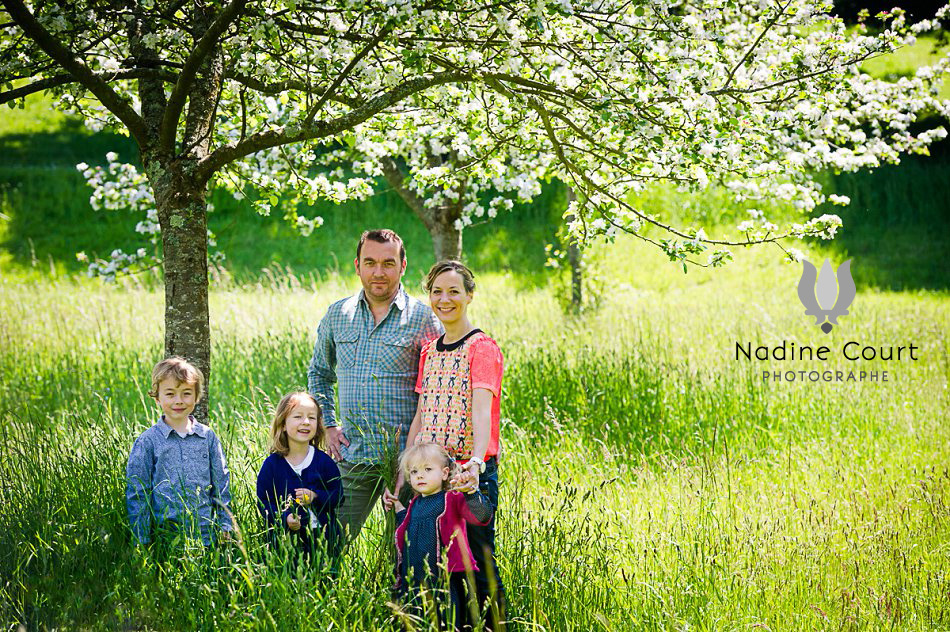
(121, 187)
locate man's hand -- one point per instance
(303, 496)
(335, 438)
(391, 498)
(293, 522)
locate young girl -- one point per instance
(433, 527)
(299, 485)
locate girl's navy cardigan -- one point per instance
(277, 480)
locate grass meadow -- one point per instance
(651, 480)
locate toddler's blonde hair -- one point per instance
(426, 453)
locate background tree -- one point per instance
(429, 159)
(755, 95)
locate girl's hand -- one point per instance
(293, 522)
(391, 498)
(304, 496)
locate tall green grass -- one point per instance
(650, 479)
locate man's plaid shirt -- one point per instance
(376, 367)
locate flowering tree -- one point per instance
(754, 94)
(430, 161)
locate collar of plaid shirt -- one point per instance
(399, 299)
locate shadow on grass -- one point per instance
(897, 227)
(66, 146)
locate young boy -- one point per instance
(177, 475)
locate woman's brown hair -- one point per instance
(468, 277)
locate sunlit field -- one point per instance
(650, 479)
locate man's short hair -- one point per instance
(381, 236)
(181, 370)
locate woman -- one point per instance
(459, 386)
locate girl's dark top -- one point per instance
(277, 481)
(419, 543)
(421, 561)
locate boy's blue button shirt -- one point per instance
(179, 480)
(375, 367)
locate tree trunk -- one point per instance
(182, 213)
(574, 257)
(181, 201)
(439, 221)
(446, 238)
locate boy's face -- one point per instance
(177, 400)
(426, 478)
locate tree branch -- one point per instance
(267, 88)
(204, 47)
(402, 40)
(768, 27)
(321, 129)
(576, 172)
(62, 80)
(78, 69)
(344, 73)
(396, 180)
(795, 79)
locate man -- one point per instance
(370, 343)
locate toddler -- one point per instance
(177, 478)
(433, 527)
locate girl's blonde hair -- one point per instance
(426, 453)
(278, 427)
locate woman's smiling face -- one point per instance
(448, 297)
